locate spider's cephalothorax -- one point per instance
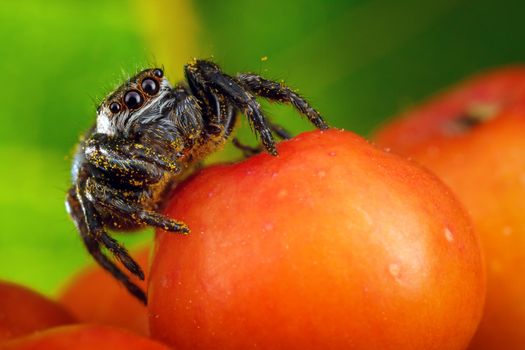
(148, 135)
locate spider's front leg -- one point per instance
(212, 87)
(126, 159)
(87, 223)
(129, 204)
(81, 197)
(138, 166)
(94, 202)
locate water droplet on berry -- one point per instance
(449, 235)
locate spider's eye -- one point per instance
(158, 73)
(133, 99)
(115, 107)
(150, 86)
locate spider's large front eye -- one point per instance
(115, 107)
(149, 86)
(133, 99)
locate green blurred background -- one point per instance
(357, 61)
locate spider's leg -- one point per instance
(154, 219)
(96, 229)
(212, 108)
(136, 163)
(279, 92)
(206, 79)
(231, 116)
(246, 150)
(128, 204)
(136, 152)
(80, 215)
(281, 132)
(127, 159)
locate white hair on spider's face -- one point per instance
(103, 123)
(140, 99)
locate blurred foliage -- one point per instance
(59, 58)
(358, 61)
(361, 61)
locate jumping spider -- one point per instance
(147, 137)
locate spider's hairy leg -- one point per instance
(281, 132)
(138, 152)
(249, 151)
(81, 215)
(230, 117)
(246, 150)
(206, 76)
(125, 159)
(275, 91)
(96, 228)
(128, 204)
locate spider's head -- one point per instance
(140, 98)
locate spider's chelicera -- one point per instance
(147, 137)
